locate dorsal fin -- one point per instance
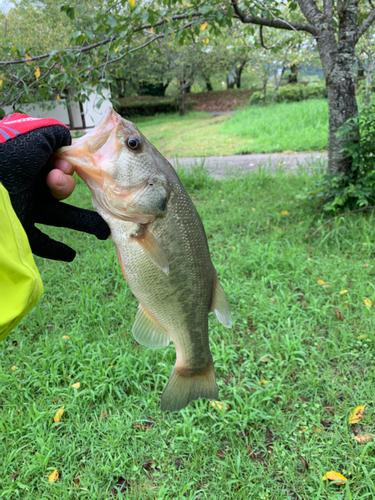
(220, 304)
(147, 332)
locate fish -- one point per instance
(162, 249)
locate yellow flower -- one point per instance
(343, 292)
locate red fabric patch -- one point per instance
(18, 123)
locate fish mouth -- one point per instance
(103, 145)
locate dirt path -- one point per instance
(223, 165)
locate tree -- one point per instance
(365, 55)
(118, 29)
(336, 29)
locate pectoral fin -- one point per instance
(152, 248)
(220, 304)
(147, 332)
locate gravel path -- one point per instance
(223, 165)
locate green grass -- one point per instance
(286, 333)
(295, 126)
(298, 126)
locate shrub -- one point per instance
(149, 106)
(291, 93)
(257, 99)
(356, 188)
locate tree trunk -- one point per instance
(337, 61)
(293, 77)
(361, 68)
(370, 69)
(208, 84)
(265, 88)
(182, 100)
(278, 81)
(239, 73)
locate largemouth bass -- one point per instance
(162, 249)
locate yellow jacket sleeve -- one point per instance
(20, 283)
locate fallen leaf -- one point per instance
(365, 264)
(343, 292)
(308, 270)
(37, 73)
(360, 337)
(325, 285)
(14, 368)
(151, 30)
(59, 414)
(284, 212)
(272, 299)
(264, 381)
(203, 26)
(28, 57)
(339, 315)
(104, 415)
(14, 477)
(335, 476)
(266, 359)
(304, 462)
(52, 478)
(364, 439)
(356, 414)
(66, 337)
(320, 282)
(368, 302)
(218, 405)
(77, 385)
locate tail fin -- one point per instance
(182, 388)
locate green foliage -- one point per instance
(148, 106)
(355, 188)
(196, 176)
(290, 371)
(291, 93)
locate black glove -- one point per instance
(24, 165)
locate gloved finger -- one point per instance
(62, 215)
(60, 185)
(44, 246)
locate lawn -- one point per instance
(299, 358)
(299, 126)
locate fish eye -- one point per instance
(133, 142)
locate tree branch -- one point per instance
(365, 25)
(274, 23)
(92, 46)
(262, 41)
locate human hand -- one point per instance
(35, 183)
(60, 180)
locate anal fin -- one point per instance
(220, 304)
(147, 332)
(152, 248)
